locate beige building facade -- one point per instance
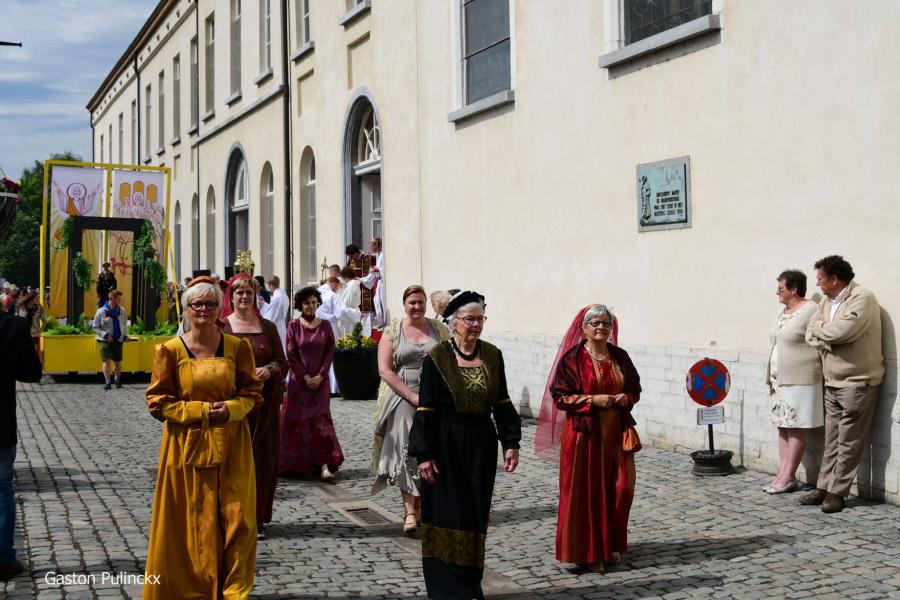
(496, 144)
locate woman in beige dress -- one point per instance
(794, 375)
(401, 351)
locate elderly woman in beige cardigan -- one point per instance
(794, 375)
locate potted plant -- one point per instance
(356, 365)
(71, 347)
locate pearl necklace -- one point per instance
(597, 358)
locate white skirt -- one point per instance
(797, 406)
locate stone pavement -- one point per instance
(85, 474)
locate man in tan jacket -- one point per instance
(847, 331)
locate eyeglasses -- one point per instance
(201, 306)
(597, 323)
(473, 321)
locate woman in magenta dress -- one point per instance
(242, 320)
(309, 444)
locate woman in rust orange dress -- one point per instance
(587, 413)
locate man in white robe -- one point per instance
(278, 309)
(341, 318)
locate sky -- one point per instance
(69, 46)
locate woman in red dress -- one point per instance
(587, 413)
(242, 320)
(309, 444)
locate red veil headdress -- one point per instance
(550, 421)
(227, 307)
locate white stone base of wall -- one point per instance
(667, 416)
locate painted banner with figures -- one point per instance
(135, 195)
(74, 191)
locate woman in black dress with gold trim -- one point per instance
(454, 440)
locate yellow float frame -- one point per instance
(72, 353)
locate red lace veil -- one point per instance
(550, 419)
(227, 307)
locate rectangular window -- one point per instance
(176, 96)
(121, 138)
(195, 83)
(148, 111)
(303, 31)
(486, 48)
(210, 71)
(643, 18)
(162, 111)
(235, 46)
(109, 137)
(101, 147)
(265, 35)
(134, 139)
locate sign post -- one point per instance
(707, 383)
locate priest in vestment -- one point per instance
(374, 281)
(362, 264)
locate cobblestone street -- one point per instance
(85, 474)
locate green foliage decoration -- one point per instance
(82, 270)
(143, 256)
(68, 228)
(81, 327)
(162, 329)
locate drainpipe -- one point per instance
(200, 201)
(137, 75)
(286, 104)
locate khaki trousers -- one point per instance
(848, 418)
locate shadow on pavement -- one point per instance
(522, 514)
(642, 554)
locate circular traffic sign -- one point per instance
(708, 382)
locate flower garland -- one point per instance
(82, 270)
(143, 256)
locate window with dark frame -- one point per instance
(644, 18)
(162, 110)
(176, 96)
(486, 48)
(235, 46)
(210, 64)
(195, 82)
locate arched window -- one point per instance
(177, 241)
(267, 222)
(238, 203)
(309, 268)
(211, 229)
(363, 184)
(195, 233)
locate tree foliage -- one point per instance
(20, 247)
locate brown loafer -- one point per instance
(815, 497)
(832, 503)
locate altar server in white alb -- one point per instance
(341, 318)
(278, 308)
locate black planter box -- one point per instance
(357, 373)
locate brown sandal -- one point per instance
(407, 528)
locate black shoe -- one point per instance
(118, 385)
(107, 386)
(9, 571)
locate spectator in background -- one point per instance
(263, 292)
(794, 377)
(847, 332)
(111, 326)
(20, 363)
(439, 300)
(30, 309)
(106, 282)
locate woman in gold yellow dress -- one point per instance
(203, 530)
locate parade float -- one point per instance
(95, 213)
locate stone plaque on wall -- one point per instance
(664, 194)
